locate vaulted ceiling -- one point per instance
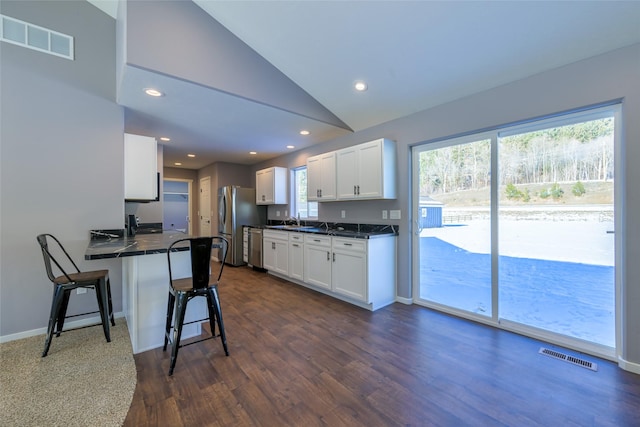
(413, 55)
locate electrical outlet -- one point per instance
(277, 213)
(344, 214)
(384, 214)
(81, 291)
(395, 214)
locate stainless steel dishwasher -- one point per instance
(255, 247)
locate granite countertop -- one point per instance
(355, 231)
(141, 244)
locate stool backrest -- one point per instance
(46, 255)
(201, 258)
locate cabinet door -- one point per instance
(370, 170)
(317, 266)
(347, 173)
(296, 260)
(269, 254)
(264, 186)
(349, 274)
(314, 177)
(328, 177)
(140, 167)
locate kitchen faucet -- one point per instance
(296, 219)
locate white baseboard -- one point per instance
(67, 325)
(629, 366)
(406, 301)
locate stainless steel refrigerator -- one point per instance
(236, 208)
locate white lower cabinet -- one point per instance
(275, 251)
(349, 268)
(359, 271)
(296, 256)
(317, 260)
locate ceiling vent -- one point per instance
(34, 37)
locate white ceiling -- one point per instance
(413, 54)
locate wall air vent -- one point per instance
(34, 37)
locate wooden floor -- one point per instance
(300, 358)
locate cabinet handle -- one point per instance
(316, 240)
(273, 245)
(320, 191)
(334, 257)
(295, 245)
(354, 190)
(348, 244)
(328, 256)
(358, 190)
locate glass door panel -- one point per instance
(556, 241)
(454, 223)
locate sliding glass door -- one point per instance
(516, 227)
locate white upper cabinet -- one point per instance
(321, 177)
(140, 167)
(367, 171)
(271, 186)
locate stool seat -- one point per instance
(84, 276)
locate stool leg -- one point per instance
(170, 304)
(56, 304)
(113, 319)
(213, 290)
(62, 312)
(181, 308)
(103, 304)
(212, 313)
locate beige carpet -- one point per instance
(84, 381)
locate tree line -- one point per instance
(578, 152)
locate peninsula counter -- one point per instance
(145, 284)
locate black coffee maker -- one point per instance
(131, 225)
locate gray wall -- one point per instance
(607, 77)
(61, 161)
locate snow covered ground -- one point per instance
(555, 275)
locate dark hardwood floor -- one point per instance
(300, 358)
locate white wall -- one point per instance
(61, 162)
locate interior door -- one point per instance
(205, 206)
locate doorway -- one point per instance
(176, 197)
(515, 228)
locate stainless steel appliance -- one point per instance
(255, 247)
(237, 207)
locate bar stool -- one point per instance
(200, 284)
(67, 282)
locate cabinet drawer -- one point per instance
(296, 237)
(316, 240)
(275, 235)
(356, 245)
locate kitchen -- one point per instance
(65, 174)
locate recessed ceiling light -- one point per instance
(178, 164)
(253, 152)
(304, 132)
(165, 139)
(153, 92)
(191, 155)
(291, 146)
(360, 86)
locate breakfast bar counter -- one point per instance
(145, 283)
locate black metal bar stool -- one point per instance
(67, 282)
(201, 283)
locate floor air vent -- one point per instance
(568, 358)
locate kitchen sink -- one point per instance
(290, 227)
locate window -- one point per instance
(300, 207)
